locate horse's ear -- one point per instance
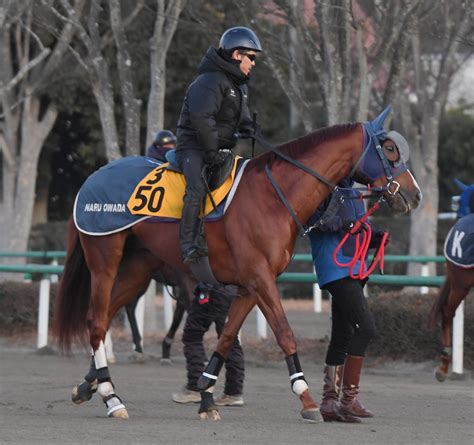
(377, 123)
(460, 185)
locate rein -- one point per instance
(362, 247)
(337, 198)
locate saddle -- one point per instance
(160, 192)
(216, 175)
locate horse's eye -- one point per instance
(390, 147)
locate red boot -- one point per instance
(350, 404)
(329, 408)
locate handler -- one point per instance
(352, 322)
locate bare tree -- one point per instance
(436, 55)
(98, 66)
(347, 48)
(27, 64)
(166, 20)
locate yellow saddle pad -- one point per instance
(160, 193)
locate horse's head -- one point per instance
(383, 163)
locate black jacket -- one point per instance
(215, 106)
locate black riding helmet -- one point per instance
(165, 137)
(240, 37)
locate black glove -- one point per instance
(377, 239)
(214, 157)
(249, 131)
(348, 225)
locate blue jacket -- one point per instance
(325, 239)
(157, 152)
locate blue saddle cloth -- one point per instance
(101, 204)
(459, 244)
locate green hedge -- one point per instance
(19, 305)
(401, 325)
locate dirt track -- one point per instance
(35, 406)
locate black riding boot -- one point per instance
(189, 230)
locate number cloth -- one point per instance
(459, 244)
(101, 206)
(161, 192)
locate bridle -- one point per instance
(337, 196)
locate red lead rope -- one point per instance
(362, 248)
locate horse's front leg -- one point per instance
(103, 307)
(238, 311)
(269, 303)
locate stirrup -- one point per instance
(194, 253)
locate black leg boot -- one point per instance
(188, 229)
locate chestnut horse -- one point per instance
(459, 280)
(249, 247)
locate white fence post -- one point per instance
(261, 325)
(167, 307)
(140, 316)
(54, 278)
(317, 297)
(458, 339)
(43, 313)
(425, 272)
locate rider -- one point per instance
(352, 322)
(164, 140)
(214, 109)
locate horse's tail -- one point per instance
(72, 300)
(439, 303)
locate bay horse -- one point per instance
(459, 280)
(249, 247)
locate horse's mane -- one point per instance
(300, 145)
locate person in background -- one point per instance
(202, 313)
(164, 141)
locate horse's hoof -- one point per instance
(82, 393)
(165, 361)
(312, 415)
(212, 414)
(75, 396)
(137, 357)
(119, 414)
(440, 375)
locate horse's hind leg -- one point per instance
(132, 319)
(84, 392)
(169, 337)
(185, 289)
(456, 295)
(103, 256)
